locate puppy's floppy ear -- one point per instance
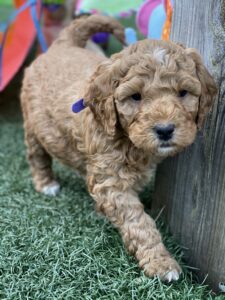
(99, 97)
(208, 87)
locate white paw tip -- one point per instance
(172, 276)
(51, 189)
(222, 287)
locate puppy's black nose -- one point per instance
(164, 132)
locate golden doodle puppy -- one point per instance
(137, 107)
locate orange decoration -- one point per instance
(167, 25)
(20, 36)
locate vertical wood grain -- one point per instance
(191, 186)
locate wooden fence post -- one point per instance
(191, 185)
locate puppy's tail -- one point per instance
(81, 29)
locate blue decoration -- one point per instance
(130, 36)
(156, 22)
(78, 106)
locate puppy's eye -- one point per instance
(182, 93)
(136, 97)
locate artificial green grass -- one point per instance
(59, 248)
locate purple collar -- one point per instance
(78, 106)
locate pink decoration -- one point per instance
(144, 14)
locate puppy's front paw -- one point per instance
(165, 268)
(158, 262)
(51, 189)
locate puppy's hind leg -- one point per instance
(41, 166)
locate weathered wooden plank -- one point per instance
(191, 186)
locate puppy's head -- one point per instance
(157, 92)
